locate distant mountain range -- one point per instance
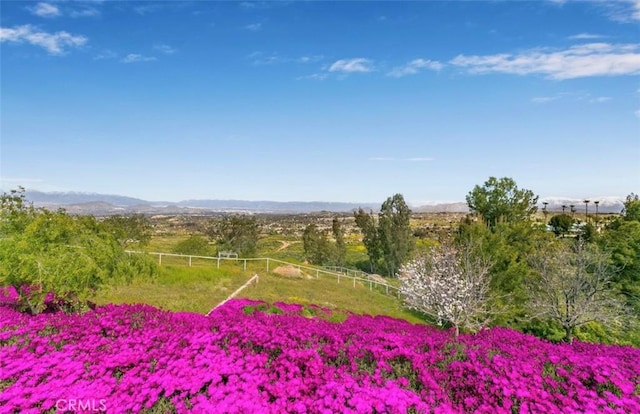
(107, 204)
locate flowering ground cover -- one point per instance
(248, 356)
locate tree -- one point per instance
(561, 224)
(236, 233)
(341, 246)
(573, 287)
(366, 222)
(631, 210)
(452, 286)
(396, 237)
(194, 245)
(129, 230)
(317, 248)
(44, 252)
(500, 200)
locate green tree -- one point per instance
(317, 248)
(341, 246)
(396, 237)
(389, 240)
(194, 245)
(500, 200)
(237, 233)
(561, 224)
(130, 231)
(631, 210)
(366, 222)
(44, 252)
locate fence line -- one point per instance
(268, 260)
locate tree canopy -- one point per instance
(44, 253)
(500, 200)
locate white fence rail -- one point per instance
(352, 277)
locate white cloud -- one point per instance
(53, 43)
(412, 159)
(166, 49)
(625, 11)
(310, 59)
(357, 65)
(45, 10)
(106, 55)
(414, 67)
(134, 58)
(600, 99)
(420, 159)
(255, 27)
(585, 36)
(314, 76)
(545, 99)
(20, 180)
(85, 12)
(591, 59)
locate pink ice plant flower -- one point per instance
(136, 357)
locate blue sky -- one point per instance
(320, 101)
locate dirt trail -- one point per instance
(285, 244)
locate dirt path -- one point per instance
(285, 244)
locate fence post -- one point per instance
(245, 265)
(218, 263)
(267, 264)
(160, 259)
(370, 285)
(190, 261)
(338, 277)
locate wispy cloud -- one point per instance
(310, 59)
(45, 10)
(625, 11)
(166, 49)
(20, 180)
(262, 58)
(85, 11)
(585, 36)
(106, 55)
(357, 65)
(135, 58)
(314, 76)
(254, 27)
(591, 59)
(578, 96)
(545, 99)
(54, 43)
(412, 159)
(414, 67)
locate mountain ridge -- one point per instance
(96, 203)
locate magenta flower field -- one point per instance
(245, 357)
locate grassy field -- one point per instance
(179, 287)
(201, 286)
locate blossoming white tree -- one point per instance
(450, 285)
